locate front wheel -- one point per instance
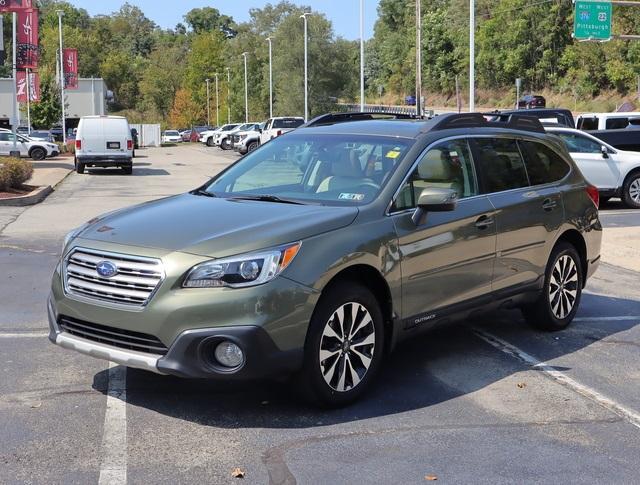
(344, 346)
(225, 145)
(558, 303)
(252, 146)
(210, 142)
(631, 191)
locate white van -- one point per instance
(608, 121)
(104, 141)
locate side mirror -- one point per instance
(605, 151)
(434, 199)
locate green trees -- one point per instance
(47, 111)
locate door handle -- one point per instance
(549, 204)
(483, 222)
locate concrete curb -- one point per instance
(34, 197)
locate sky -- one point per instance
(167, 13)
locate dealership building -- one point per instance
(89, 99)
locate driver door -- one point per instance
(449, 258)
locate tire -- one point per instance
(79, 167)
(560, 298)
(127, 169)
(225, 145)
(631, 191)
(252, 146)
(38, 153)
(210, 141)
(350, 366)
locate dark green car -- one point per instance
(317, 253)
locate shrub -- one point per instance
(14, 172)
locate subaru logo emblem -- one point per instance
(106, 269)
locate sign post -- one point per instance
(592, 20)
(518, 86)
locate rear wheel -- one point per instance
(79, 167)
(558, 303)
(38, 153)
(631, 191)
(344, 346)
(127, 169)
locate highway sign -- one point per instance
(592, 20)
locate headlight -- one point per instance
(241, 271)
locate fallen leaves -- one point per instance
(521, 385)
(430, 478)
(237, 473)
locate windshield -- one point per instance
(326, 169)
(228, 127)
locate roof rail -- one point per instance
(452, 121)
(334, 118)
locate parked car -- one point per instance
(275, 127)
(104, 141)
(56, 132)
(28, 147)
(620, 130)
(171, 136)
(23, 130)
(42, 135)
(247, 141)
(532, 101)
(558, 116)
(616, 173)
(226, 139)
(186, 135)
(315, 254)
(209, 137)
(410, 100)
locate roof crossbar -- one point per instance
(478, 120)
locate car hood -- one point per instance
(216, 227)
(627, 155)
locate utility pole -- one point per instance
(208, 104)
(246, 89)
(269, 40)
(64, 122)
(228, 95)
(362, 101)
(15, 152)
(217, 103)
(306, 67)
(28, 75)
(472, 55)
(418, 58)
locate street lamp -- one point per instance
(361, 55)
(269, 40)
(306, 68)
(418, 58)
(64, 123)
(217, 103)
(246, 89)
(208, 106)
(228, 95)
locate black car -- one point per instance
(532, 101)
(548, 116)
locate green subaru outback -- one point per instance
(316, 254)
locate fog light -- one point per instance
(229, 354)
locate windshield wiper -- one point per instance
(267, 198)
(204, 193)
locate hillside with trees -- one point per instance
(159, 74)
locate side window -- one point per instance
(543, 164)
(579, 144)
(588, 124)
(617, 123)
(500, 164)
(4, 136)
(447, 165)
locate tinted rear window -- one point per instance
(500, 164)
(287, 123)
(543, 164)
(617, 123)
(588, 124)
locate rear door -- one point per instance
(116, 133)
(525, 215)
(447, 259)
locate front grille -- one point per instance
(116, 337)
(134, 283)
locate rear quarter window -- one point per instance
(543, 164)
(288, 123)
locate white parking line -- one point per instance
(113, 470)
(607, 319)
(628, 414)
(24, 335)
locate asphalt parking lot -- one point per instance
(487, 401)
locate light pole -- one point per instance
(246, 89)
(208, 105)
(14, 124)
(217, 103)
(269, 40)
(361, 55)
(472, 55)
(306, 68)
(228, 95)
(64, 123)
(418, 58)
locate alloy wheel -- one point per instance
(563, 287)
(347, 347)
(634, 190)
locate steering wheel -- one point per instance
(369, 184)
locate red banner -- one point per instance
(70, 66)
(14, 5)
(34, 86)
(28, 49)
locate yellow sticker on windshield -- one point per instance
(393, 154)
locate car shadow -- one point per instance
(137, 172)
(438, 366)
